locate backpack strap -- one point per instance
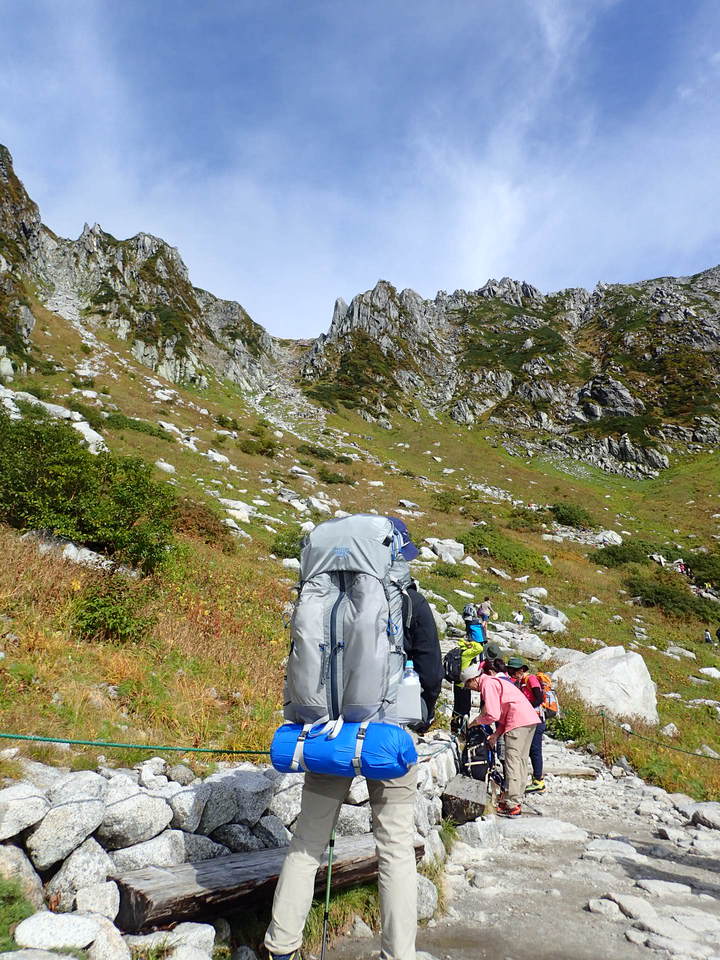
(298, 760)
(359, 744)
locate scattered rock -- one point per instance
(133, 820)
(607, 908)
(101, 898)
(14, 865)
(86, 865)
(427, 898)
(613, 680)
(47, 931)
(21, 806)
(62, 830)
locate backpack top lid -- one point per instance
(361, 543)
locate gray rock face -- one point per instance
(188, 807)
(14, 865)
(427, 898)
(84, 785)
(165, 850)
(272, 832)
(198, 848)
(237, 795)
(286, 805)
(47, 930)
(707, 814)
(87, 865)
(100, 898)
(21, 806)
(198, 935)
(613, 680)
(352, 821)
(181, 774)
(135, 819)
(109, 945)
(62, 830)
(606, 908)
(614, 398)
(237, 837)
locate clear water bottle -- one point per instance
(409, 703)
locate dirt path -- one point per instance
(521, 891)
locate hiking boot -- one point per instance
(506, 811)
(535, 786)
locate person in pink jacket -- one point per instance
(509, 709)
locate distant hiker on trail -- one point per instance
(707, 636)
(533, 689)
(515, 720)
(518, 617)
(485, 609)
(470, 652)
(473, 623)
(353, 577)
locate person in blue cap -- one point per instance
(421, 639)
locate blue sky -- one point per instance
(299, 150)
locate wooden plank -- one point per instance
(464, 799)
(159, 895)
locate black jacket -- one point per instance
(423, 647)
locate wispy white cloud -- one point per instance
(433, 152)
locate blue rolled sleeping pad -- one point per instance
(388, 751)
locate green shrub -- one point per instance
(569, 726)
(445, 500)
(91, 414)
(525, 519)
(13, 908)
(705, 568)
(118, 421)
(258, 446)
(451, 571)
(111, 611)
(572, 515)
(669, 591)
(343, 459)
(287, 543)
(632, 551)
(50, 481)
(330, 476)
(311, 450)
(504, 550)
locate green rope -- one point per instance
(133, 746)
(658, 743)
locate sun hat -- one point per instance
(408, 548)
(491, 651)
(515, 663)
(469, 673)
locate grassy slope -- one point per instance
(210, 670)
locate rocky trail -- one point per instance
(608, 867)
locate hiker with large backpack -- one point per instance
(356, 620)
(533, 689)
(515, 720)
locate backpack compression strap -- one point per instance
(359, 743)
(298, 759)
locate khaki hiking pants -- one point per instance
(393, 820)
(517, 753)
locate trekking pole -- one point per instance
(326, 915)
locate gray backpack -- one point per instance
(347, 656)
